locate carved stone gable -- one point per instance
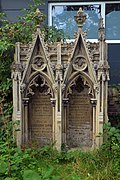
(60, 89)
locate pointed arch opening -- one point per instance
(38, 125)
(79, 114)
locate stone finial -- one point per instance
(101, 29)
(39, 17)
(80, 18)
(101, 25)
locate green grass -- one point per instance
(49, 164)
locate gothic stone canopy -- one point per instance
(60, 89)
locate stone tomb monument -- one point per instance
(60, 89)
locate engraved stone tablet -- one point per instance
(79, 120)
(41, 119)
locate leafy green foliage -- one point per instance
(47, 163)
(53, 34)
(112, 143)
(9, 178)
(3, 167)
(31, 175)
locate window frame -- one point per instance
(103, 6)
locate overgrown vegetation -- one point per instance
(45, 163)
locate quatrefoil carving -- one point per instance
(80, 63)
(38, 63)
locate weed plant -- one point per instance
(47, 163)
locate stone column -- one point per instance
(16, 106)
(64, 120)
(58, 116)
(16, 134)
(53, 102)
(106, 101)
(58, 96)
(14, 99)
(25, 120)
(99, 124)
(102, 120)
(94, 102)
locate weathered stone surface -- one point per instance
(74, 75)
(41, 118)
(79, 123)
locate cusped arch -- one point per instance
(86, 80)
(45, 81)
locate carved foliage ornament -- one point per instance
(80, 63)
